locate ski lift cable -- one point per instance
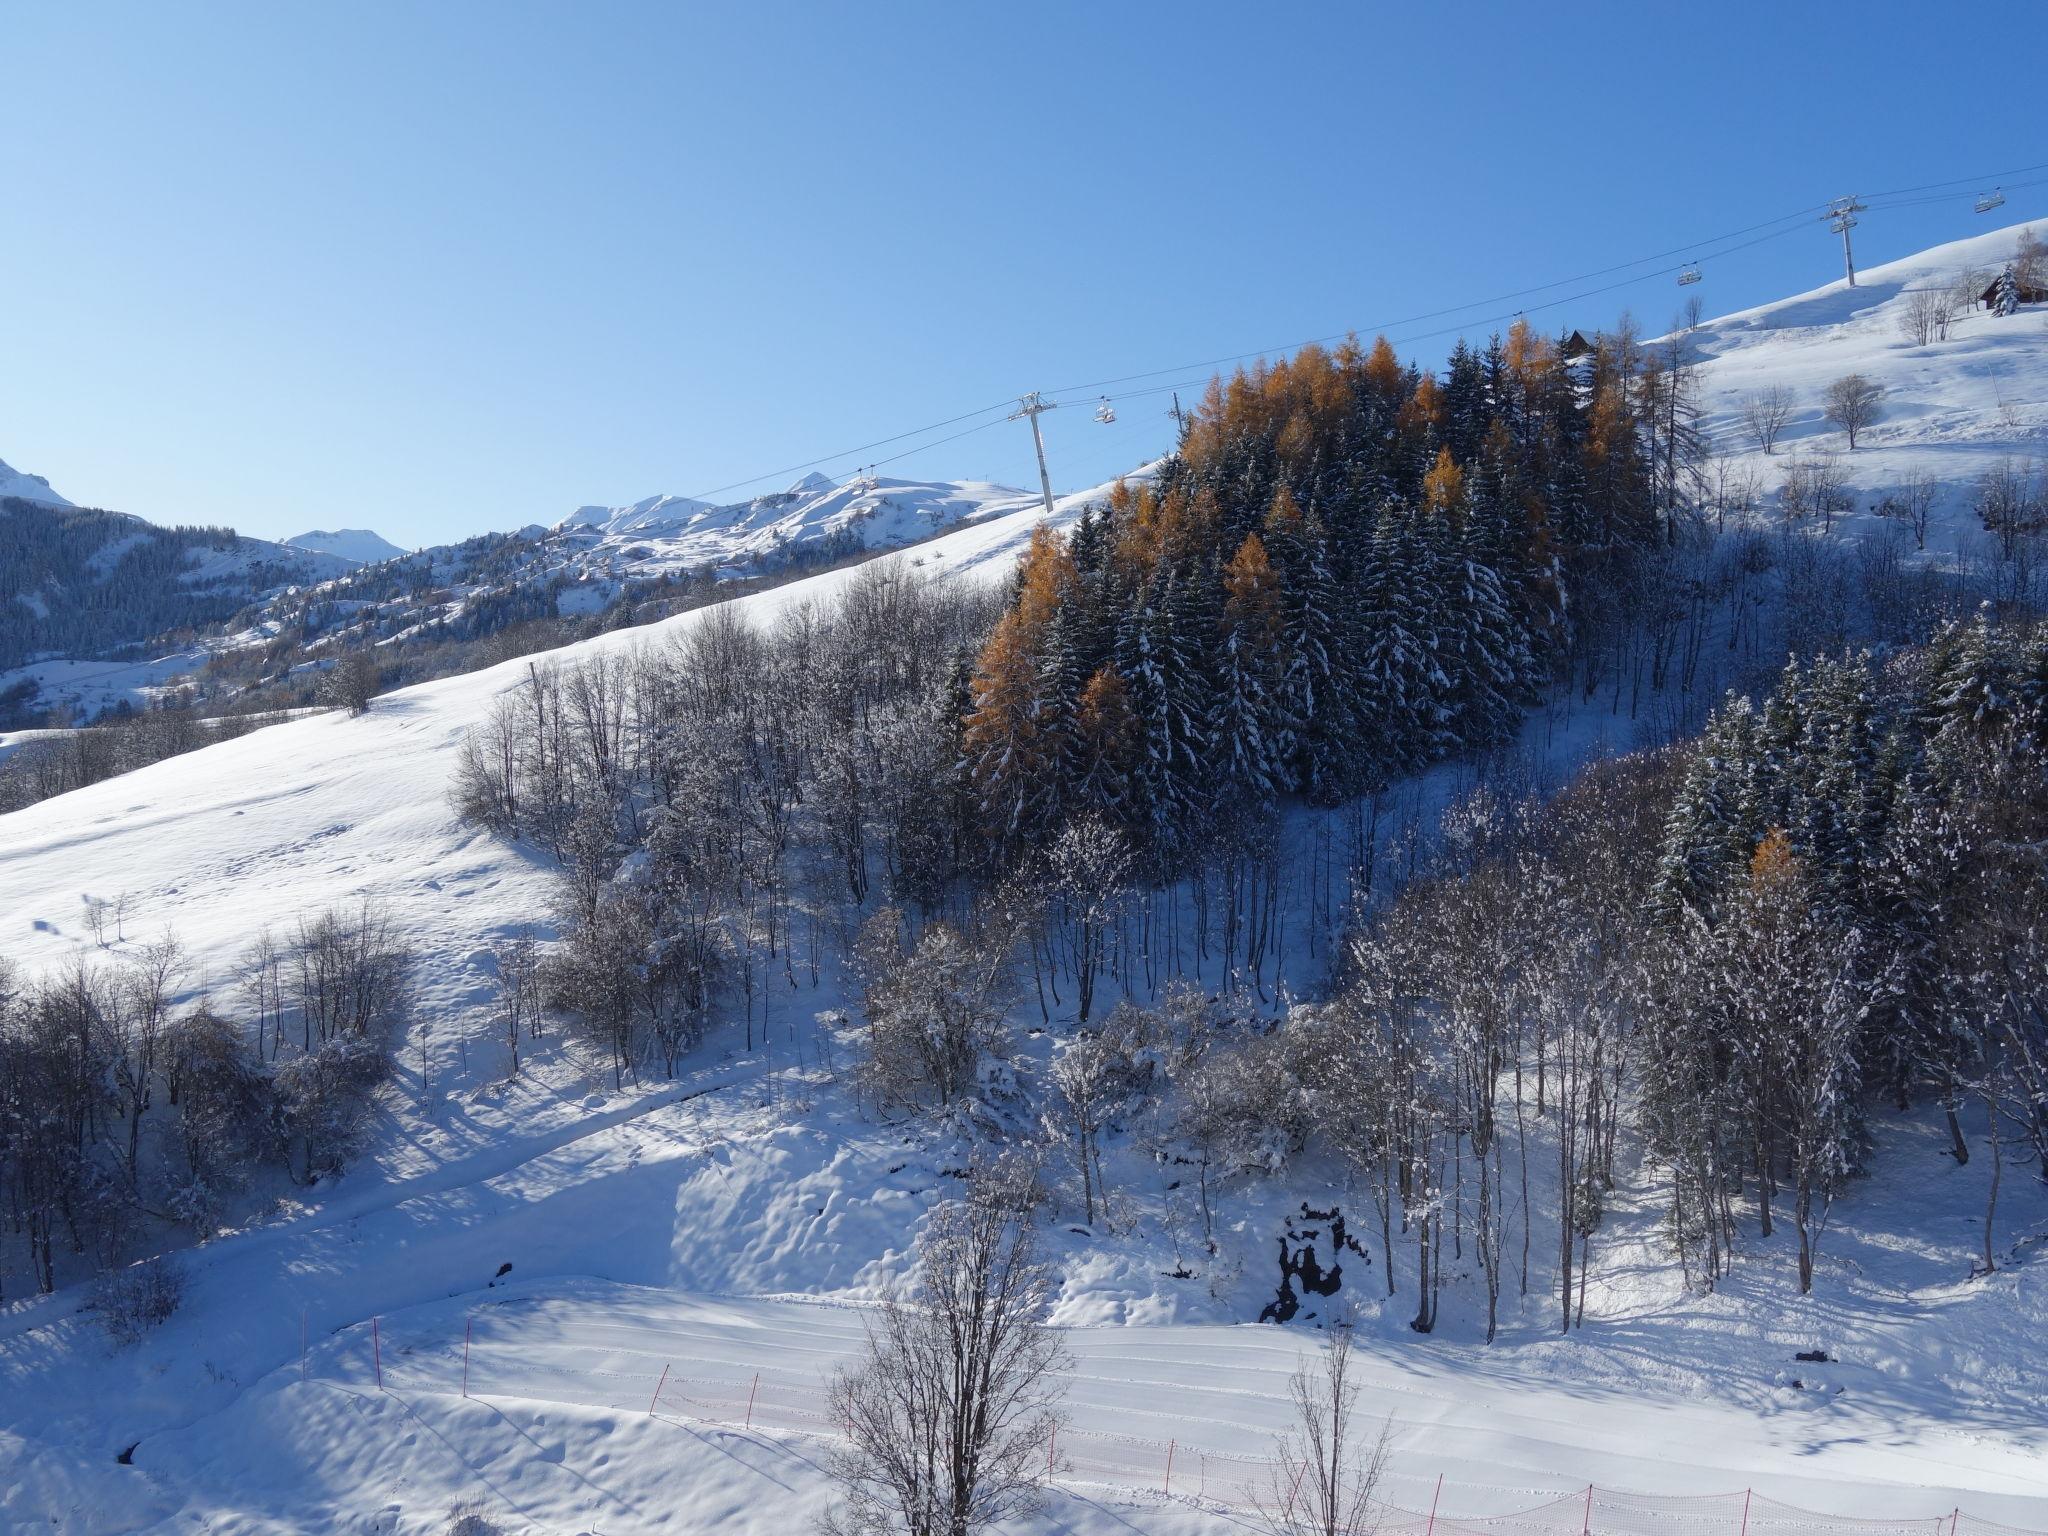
(1793, 220)
(1954, 197)
(1991, 177)
(1696, 246)
(1203, 377)
(879, 442)
(1900, 197)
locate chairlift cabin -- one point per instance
(1986, 201)
(1105, 412)
(1690, 275)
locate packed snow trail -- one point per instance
(1142, 1402)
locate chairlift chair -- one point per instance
(1690, 275)
(1105, 412)
(1986, 201)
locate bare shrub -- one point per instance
(349, 971)
(1326, 1469)
(1926, 314)
(2012, 503)
(1912, 504)
(469, 1518)
(935, 1012)
(132, 1301)
(1814, 490)
(951, 1410)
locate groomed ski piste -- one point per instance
(591, 1311)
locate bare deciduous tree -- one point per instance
(1851, 403)
(1927, 314)
(1090, 1081)
(517, 964)
(951, 1411)
(934, 1013)
(2013, 504)
(1326, 1469)
(1814, 490)
(1912, 503)
(1765, 412)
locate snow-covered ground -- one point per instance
(727, 1226)
(1952, 408)
(88, 689)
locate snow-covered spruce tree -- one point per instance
(2005, 298)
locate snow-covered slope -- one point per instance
(29, 487)
(1952, 408)
(359, 546)
(292, 818)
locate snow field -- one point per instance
(1157, 1415)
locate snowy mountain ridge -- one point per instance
(28, 487)
(358, 545)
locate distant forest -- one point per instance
(81, 582)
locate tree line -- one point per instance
(130, 1106)
(1350, 570)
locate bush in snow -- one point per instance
(134, 1300)
(935, 1012)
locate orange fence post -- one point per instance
(377, 1354)
(756, 1387)
(1745, 1510)
(1587, 1529)
(1432, 1502)
(1168, 1489)
(657, 1389)
(466, 1323)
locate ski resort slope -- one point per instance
(1952, 409)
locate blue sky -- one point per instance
(436, 268)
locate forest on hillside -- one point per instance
(1150, 793)
(75, 581)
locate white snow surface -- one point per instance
(359, 546)
(1952, 409)
(14, 482)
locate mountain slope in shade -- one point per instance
(358, 545)
(28, 487)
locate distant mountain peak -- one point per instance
(359, 545)
(29, 487)
(812, 482)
